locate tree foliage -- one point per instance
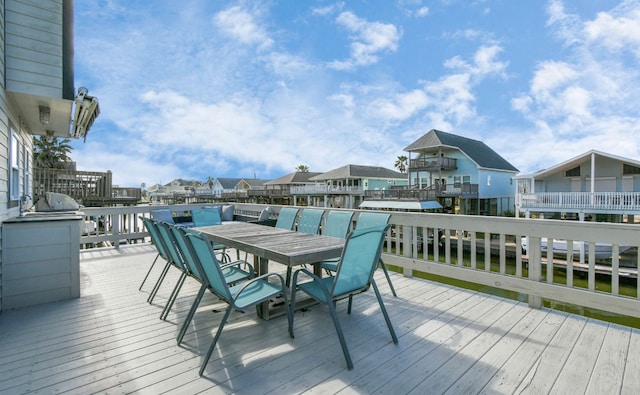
(302, 168)
(401, 163)
(51, 153)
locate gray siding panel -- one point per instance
(34, 47)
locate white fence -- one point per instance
(622, 202)
(466, 249)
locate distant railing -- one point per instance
(433, 163)
(478, 249)
(326, 189)
(465, 190)
(77, 184)
(586, 201)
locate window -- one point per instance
(575, 172)
(14, 166)
(26, 170)
(630, 170)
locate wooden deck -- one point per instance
(450, 341)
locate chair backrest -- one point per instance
(338, 224)
(170, 245)
(208, 265)
(180, 237)
(206, 216)
(264, 214)
(359, 260)
(310, 220)
(156, 239)
(368, 220)
(287, 218)
(162, 215)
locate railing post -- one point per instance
(535, 268)
(115, 228)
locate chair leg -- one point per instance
(191, 313)
(349, 305)
(159, 282)
(149, 272)
(386, 273)
(289, 309)
(173, 297)
(215, 339)
(384, 312)
(343, 343)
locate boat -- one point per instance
(603, 250)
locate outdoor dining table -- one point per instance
(267, 244)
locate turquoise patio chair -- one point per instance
(156, 242)
(177, 262)
(354, 275)
(367, 220)
(163, 250)
(309, 221)
(232, 273)
(206, 216)
(338, 224)
(287, 218)
(211, 216)
(238, 297)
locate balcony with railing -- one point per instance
(324, 189)
(268, 192)
(592, 202)
(426, 163)
(464, 191)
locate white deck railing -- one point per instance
(325, 189)
(622, 202)
(469, 257)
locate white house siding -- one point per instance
(33, 45)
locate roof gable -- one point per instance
(576, 161)
(476, 150)
(228, 183)
(297, 177)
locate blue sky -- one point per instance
(200, 88)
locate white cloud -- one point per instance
(401, 106)
(328, 10)
(422, 11)
(369, 39)
(240, 25)
(615, 33)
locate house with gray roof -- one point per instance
(593, 186)
(278, 191)
(345, 186)
(224, 186)
(464, 175)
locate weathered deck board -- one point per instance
(450, 340)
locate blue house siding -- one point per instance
(495, 184)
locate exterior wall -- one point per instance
(4, 141)
(32, 61)
(372, 184)
(495, 184)
(34, 47)
(606, 168)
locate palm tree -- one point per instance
(51, 153)
(401, 163)
(196, 185)
(210, 183)
(302, 168)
